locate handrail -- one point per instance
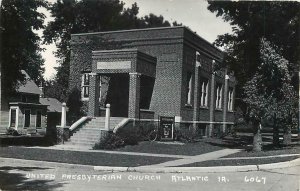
(78, 122)
(122, 123)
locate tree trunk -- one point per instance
(275, 133)
(287, 136)
(257, 140)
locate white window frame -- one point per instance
(17, 116)
(230, 99)
(83, 86)
(24, 118)
(37, 118)
(219, 96)
(204, 92)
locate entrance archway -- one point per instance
(118, 95)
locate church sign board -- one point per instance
(166, 125)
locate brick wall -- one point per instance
(168, 52)
(175, 50)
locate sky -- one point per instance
(191, 13)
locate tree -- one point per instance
(81, 16)
(20, 48)
(72, 16)
(152, 20)
(269, 94)
(278, 22)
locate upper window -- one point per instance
(85, 86)
(204, 92)
(230, 99)
(189, 88)
(219, 93)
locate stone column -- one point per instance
(134, 95)
(94, 95)
(196, 95)
(107, 117)
(225, 106)
(212, 101)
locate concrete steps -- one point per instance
(89, 134)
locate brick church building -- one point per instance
(145, 73)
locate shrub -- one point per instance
(13, 132)
(112, 141)
(109, 142)
(131, 139)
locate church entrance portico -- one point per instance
(118, 95)
(126, 90)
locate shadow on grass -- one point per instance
(25, 141)
(245, 143)
(271, 147)
(18, 181)
(241, 143)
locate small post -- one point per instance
(63, 115)
(107, 116)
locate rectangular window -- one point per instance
(230, 99)
(219, 93)
(27, 117)
(189, 88)
(85, 86)
(204, 92)
(38, 122)
(13, 117)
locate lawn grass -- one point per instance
(268, 152)
(77, 157)
(189, 149)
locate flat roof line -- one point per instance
(149, 29)
(116, 50)
(128, 30)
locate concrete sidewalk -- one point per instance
(182, 159)
(198, 158)
(151, 169)
(216, 169)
